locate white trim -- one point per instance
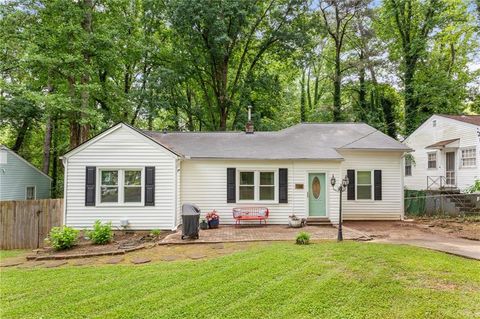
(24, 160)
(256, 186)
(34, 192)
(372, 189)
(65, 189)
(120, 186)
(327, 193)
(111, 130)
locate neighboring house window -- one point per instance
(256, 186)
(469, 157)
(364, 185)
(432, 160)
(121, 186)
(434, 123)
(30, 192)
(408, 167)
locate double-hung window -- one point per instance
(432, 160)
(30, 192)
(364, 184)
(257, 186)
(119, 186)
(469, 157)
(408, 167)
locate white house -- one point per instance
(446, 149)
(144, 177)
(19, 179)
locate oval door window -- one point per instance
(316, 187)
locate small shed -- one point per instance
(19, 179)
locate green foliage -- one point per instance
(62, 237)
(101, 234)
(303, 238)
(155, 232)
(475, 187)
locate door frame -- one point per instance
(327, 194)
(455, 163)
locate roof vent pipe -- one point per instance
(249, 126)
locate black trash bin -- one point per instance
(190, 221)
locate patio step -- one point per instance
(318, 221)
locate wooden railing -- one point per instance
(441, 182)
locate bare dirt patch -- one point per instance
(460, 227)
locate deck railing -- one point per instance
(441, 182)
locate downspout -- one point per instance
(65, 188)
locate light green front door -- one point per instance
(317, 205)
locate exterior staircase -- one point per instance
(463, 204)
(318, 221)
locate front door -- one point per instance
(317, 205)
(450, 168)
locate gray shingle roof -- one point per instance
(302, 141)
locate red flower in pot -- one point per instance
(213, 219)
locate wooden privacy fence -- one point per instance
(26, 223)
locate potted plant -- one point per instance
(213, 219)
(203, 224)
(294, 221)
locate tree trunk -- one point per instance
(302, 97)
(22, 132)
(74, 117)
(387, 106)
(55, 134)
(362, 92)
(47, 142)
(337, 81)
(85, 80)
(410, 102)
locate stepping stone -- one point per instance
(56, 263)
(197, 256)
(114, 260)
(83, 262)
(11, 263)
(140, 260)
(217, 246)
(31, 264)
(170, 258)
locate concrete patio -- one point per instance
(230, 233)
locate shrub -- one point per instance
(475, 187)
(303, 238)
(63, 237)
(155, 232)
(101, 234)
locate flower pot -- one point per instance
(295, 223)
(213, 223)
(203, 225)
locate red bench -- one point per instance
(250, 213)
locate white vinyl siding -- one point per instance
(124, 149)
(391, 205)
(445, 129)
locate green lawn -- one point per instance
(12, 253)
(282, 280)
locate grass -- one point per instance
(11, 253)
(281, 280)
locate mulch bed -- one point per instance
(122, 243)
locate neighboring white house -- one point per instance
(446, 149)
(144, 177)
(20, 180)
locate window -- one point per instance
(364, 185)
(469, 157)
(257, 186)
(121, 186)
(30, 192)
(432, 160)
(434, 123)
(267, 186)
(408, 167)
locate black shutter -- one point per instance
(150, 186)
(351, 184)
(90, 177)
(377, 187)
(283, 185)
(231, 185)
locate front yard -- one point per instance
(277, 280)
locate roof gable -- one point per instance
(3, 147)
(113, 129)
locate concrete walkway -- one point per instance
(410, 234)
